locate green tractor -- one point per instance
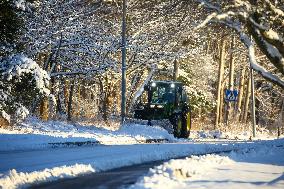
(165, 100)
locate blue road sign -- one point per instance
(231, 95)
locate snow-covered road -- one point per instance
(248, 168)
(104, 156)
(28, 157)
(25, 167)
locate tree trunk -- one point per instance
(52, 99)
(230, 106)
(83, 90)
(70, 101)
(4, 123)
(52, 107)
(247, 99)
(61, 101)
(208, 47)
(66, 91)
(240, 96)
(222, 108)
(44, 109)
(220, 79)
(282, 118)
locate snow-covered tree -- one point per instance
(12, 21)
(162, 32)
(21, 81)
(199, 73)
(71, 38)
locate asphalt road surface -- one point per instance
(116, 178)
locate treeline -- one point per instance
(76, 45)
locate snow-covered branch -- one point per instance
(253, 63)
(250, 19)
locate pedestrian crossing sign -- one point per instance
(231, 95)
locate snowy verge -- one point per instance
(259, 167)
(106, 158)
(16, 179)
(261, 134)
(35, 134)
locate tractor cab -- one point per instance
(162, 92)
(165, 100)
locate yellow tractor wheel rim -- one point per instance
(188, 121)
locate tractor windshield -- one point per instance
(163, 94)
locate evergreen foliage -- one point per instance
(11, 24)
(21, 82)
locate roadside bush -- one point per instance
(21, 82)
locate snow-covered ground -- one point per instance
(35, 134)
(261, 167)
(30, 153)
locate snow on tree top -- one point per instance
(17, 65)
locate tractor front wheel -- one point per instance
(181, 124)
(177, 123)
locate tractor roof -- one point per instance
(166, 82)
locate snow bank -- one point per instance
(258, 167)
(261, 134)
(35, 134)
(172, 174)
(14, 179)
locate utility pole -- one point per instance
(253, 101)
(123, 66)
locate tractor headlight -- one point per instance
(153, 85)
(152, 106)
(160, 106)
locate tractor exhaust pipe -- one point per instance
(175, 75)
